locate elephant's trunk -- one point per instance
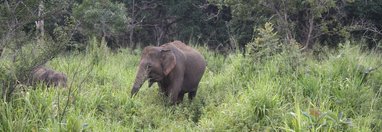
(139, 79)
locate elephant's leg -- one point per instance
(191, 95)
(165, 93)
(175, 90)
(174, 94)
(180, 96)
(162, 89)
(175, 83)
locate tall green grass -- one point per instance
(289, 91)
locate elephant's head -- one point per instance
(156, 63)
(58, 79)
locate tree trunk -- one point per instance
(40, 23)
(309, 35)
(131, 35)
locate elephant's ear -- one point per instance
(168, 61)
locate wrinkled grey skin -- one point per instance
(176, 67)
(48, 77)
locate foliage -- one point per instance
(266, 44)
(327, 22)
(157, 22)
(223, 25)
(25, 50)
(101, 18)
(280, 94)
(273, 86)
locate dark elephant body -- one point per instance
(176, 67)
(48, 77)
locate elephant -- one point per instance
(175, 67)
(48, 77)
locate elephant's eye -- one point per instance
(148, 66)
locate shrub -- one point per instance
(265, 45)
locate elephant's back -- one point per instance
(39, 73)
(192, 56)
(193, 59)
(182, 46)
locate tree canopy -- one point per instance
(220, 24)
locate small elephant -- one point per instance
(176, 67)
(48, 77)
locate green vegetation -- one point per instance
(289, 65)
(236, 93)
(220, 24)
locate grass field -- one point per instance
(290, 91)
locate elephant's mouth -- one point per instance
(151, 82)
(154, 78)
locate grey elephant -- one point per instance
(176, 67)
(48, 77)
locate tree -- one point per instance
(363, 20)
(101, 18)
(306, 21)
(24, 52)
